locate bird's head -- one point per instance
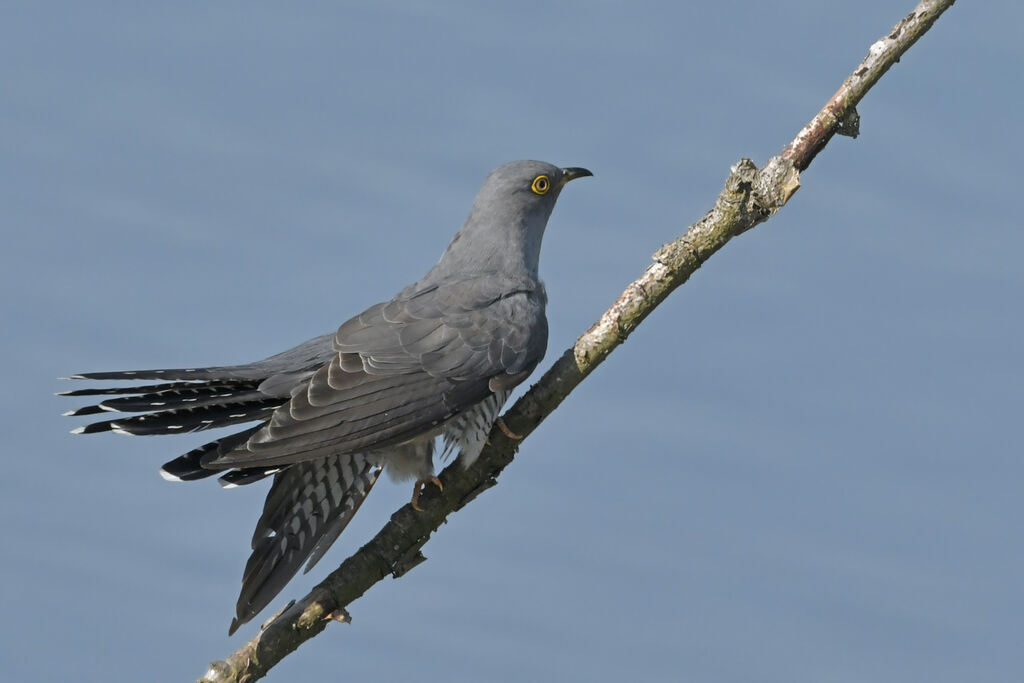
(506, 225)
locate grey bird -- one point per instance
(438, 360)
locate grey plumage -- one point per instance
(439, 359)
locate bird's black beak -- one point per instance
(574, 172)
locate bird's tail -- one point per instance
(192, 400)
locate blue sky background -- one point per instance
(806, 465)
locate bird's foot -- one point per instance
(508, 432)
(418, 489)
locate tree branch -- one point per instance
(750, 197)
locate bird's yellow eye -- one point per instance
(541, 184)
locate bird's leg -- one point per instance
(418, 489)
(508, 432)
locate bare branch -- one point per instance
(750, 196)
(839, 115)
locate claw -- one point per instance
(506, 431)
(418, 489)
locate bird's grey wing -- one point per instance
(308, 506)
(402, 368)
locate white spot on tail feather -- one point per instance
(167, 476)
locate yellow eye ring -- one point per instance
(541, 184)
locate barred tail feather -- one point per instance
(176, 407)
(189, 467)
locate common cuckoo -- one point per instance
(438, 360)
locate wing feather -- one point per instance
(308, 507)
(402, 368)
